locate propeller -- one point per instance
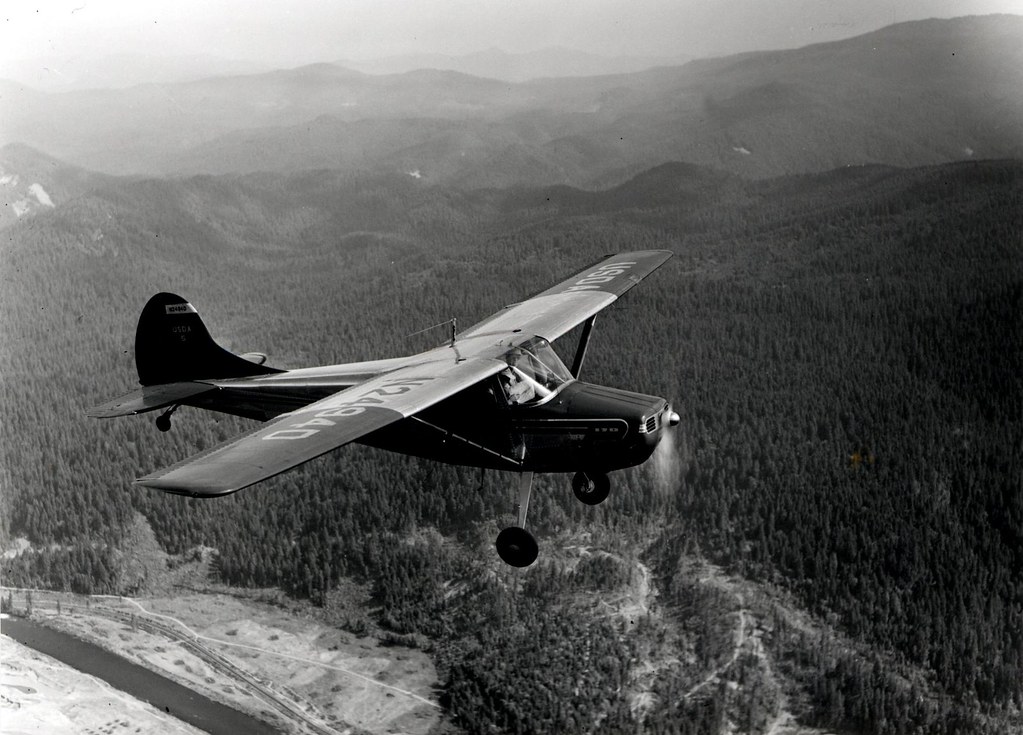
(666, 465)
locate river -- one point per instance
(138, 681)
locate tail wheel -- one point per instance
(517, 547)
(591, 488)
(163, 421)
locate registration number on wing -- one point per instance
(604, 274)
(328, 413)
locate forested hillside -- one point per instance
(845, 349)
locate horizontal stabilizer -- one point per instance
(149, 398)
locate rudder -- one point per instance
(172, 344)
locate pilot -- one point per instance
(517, 389)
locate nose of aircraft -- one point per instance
(668, 418)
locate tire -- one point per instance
(591, 488)
(517, 547)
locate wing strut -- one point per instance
(525, 488)
(584, 341)
(515, 545)
(512, 462)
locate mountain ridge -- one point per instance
(494, 63)
(913, 94)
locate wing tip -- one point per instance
(99, 412)
(189, 489)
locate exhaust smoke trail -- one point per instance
(666, 465)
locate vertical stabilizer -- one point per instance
(172, 345)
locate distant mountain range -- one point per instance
(497, 64)
(87, 202)
(910, 94)
(118, 71)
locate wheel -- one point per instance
(517, 547)
(591, 488)
(163, 422)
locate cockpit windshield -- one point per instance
(534, 373)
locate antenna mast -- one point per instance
(453, 321)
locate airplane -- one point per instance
(495, 396)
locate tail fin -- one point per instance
(172, 345)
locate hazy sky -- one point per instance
(301, 31)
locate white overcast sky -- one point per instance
(291, 33)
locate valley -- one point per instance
(278, 661)
(829, 544)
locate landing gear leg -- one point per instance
(515, 545)
(591, 488)
(163, 421)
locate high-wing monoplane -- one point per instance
(495, 396)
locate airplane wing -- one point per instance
(294, 438)
(553, 312)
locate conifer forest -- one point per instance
(845, 350)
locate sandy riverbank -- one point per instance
(291, 670)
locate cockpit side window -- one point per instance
(533, 374)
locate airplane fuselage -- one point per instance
(582, 425)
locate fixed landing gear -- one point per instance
(163, 421)
(591, 488)
(515, 545)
